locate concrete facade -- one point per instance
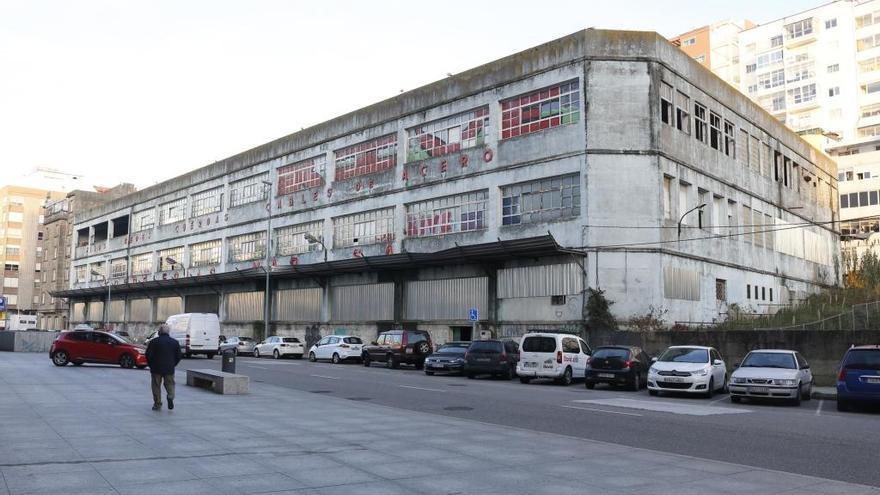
(607, 161)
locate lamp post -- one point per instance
(699, 207)
(173, 262)
(314, 240)
(267, 297)
(107, 309)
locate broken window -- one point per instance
(207, 202)
(370, 227)
(447, 215)
(701, 131)
(682, 113)
(248, 190)
(448, 135)
(542, 200)
(175, 211)
(715, 130)
(666, 107)
(539, 110)
(302, 175)
(366, 158)
(204, 254)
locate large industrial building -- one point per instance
(604, 159)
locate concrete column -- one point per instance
(326, 302)
(109, 229)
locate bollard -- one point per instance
(228, 361)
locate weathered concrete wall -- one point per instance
(822, 349)
(14, 341)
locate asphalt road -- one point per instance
(813, 439)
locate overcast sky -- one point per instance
(120, 90)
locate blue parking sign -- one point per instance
(2, 303)
(474, 314)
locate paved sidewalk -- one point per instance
(90, 430)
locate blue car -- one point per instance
(859, 377)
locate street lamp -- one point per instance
(700, 207)
(107, 309)
(267, 297)
(314, 240)
(173, 262)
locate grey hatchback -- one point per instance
(492, 357)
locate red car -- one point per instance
(88, 346)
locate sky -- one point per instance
(143, 91)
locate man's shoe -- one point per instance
(157, 407)
(170, 403)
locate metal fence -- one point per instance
(859, 317)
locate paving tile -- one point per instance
(837, 488)
(374, 488)
(48, 482)
(142, 471)
(262, 483)
(189, 487)
(316, 478)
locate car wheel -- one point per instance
(566, 377)
(60, 358)
(256, 353)
(637, 383)
(842, 405)
(276, 354)
(735, 399)
(590, 385)
(126, 361)
(809, 393)
(365, 361)
(710, 391)
(524, 379)
(210, 355)
(725, 389)
(312, 357)
(797, 398)
(653, 393)
(429, 373)
(335, 359)
(391, 362)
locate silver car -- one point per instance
(772, 374)
(239, 345)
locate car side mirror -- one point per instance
(718, 362)
(653, 359)
(806, 366)
(735, 365)
(374, 343)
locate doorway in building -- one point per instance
(462, 334)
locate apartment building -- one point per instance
(55, 244)
(21, 230)
(716, 46)
(603, 159)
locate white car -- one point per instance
(337, 348)
(772, 374)
(559, 356)
(278, 347)
(689, 369)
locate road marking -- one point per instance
(259, 367)
(327, 377)
(664, 406)
(718, 400)
(602, 410)
(423, 388)
(819, 407)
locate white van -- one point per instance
(560, 356)
(198, 333)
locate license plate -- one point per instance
(673, 379)
(606, 375)
(759, 390)
(482, 360)
(872, 380)
(530, 365)
(408, 350)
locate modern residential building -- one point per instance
(819, 72)
(716, 46)
(603, 159)
(21, 230)
(55, 244)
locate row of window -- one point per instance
(859, 199)
(758, 293)
(850, 175)
(543, 200)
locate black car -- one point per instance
(448, 358)
(618, 365)
(492, 357)
(396, 347)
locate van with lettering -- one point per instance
(557, 356)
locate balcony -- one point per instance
(800, 33)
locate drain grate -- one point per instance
(359, 398)
(321, 391)
(458, 408)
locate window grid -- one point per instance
(247, 247)
(204, 254)
(97, 272)
(370, 227)
(799, 29)
(80, 274)
(666, 106)
(207, 202)
(447, 215)
(175, 254)
(541, 200)
(291, 240)
(118, 268)
(142, 264)
(701, 130)
(715, 130)
(771, 79)
(143, 220)
(869, 65)
(867, 43)
(541, 109)
(449, 135)
(301, 175)
(367, 158)
(803, 94)
(729, 139)
(682, 115)
(248, 190)
(172, 212)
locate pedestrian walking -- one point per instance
(163, 354)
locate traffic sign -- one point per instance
(474, 314)
(2, 303)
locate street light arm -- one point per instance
(699, 207)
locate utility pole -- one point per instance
(267, 297)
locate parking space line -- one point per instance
(603, 410)
(819, 407)
(423, 388)
(327, 377)
(713, 401)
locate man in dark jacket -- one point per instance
(163, 354)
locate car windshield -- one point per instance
(452, 349)
(769, 360)
(291, 340)
(353, 340)
(539, 344)
(611, 353)
(685, 355)
(246, 339)
(121, 339)
(863, 359)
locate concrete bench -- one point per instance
(218, 381)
